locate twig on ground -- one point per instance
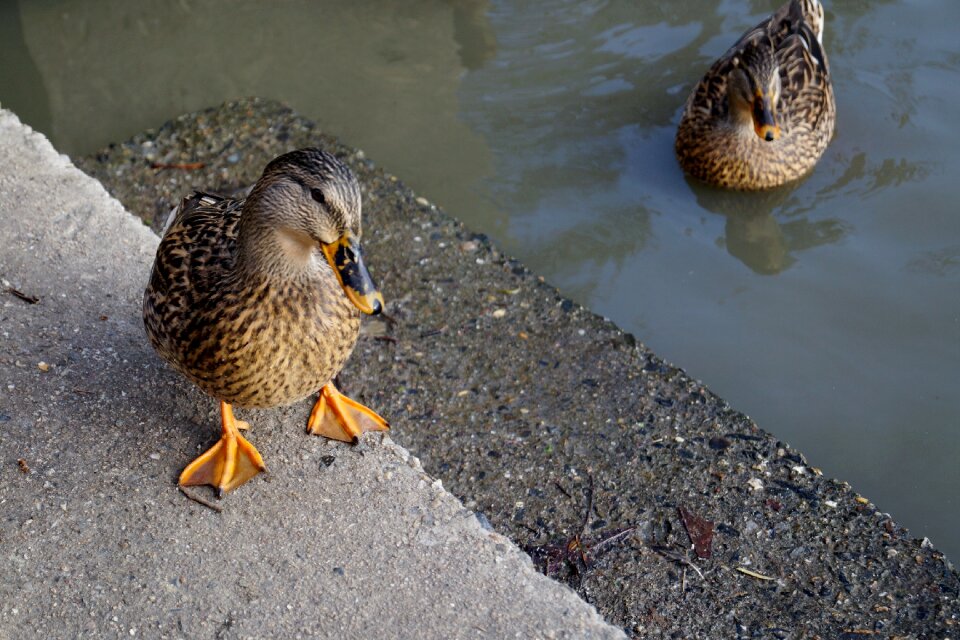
(23, 296)
(185, 166)
(212, 505)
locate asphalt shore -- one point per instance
(672, 513)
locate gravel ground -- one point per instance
(674, 514)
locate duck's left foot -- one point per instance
(336, 416)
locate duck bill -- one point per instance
(346, 258)
(765, 118)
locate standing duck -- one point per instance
(764, 112)
(258, 302)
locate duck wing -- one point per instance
(804, 76)
(197, 252)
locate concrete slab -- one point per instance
(95, 540)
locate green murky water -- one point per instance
(829, 311)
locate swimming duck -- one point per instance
(764, 112)
(258, 302)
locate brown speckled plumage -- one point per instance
(713, 146)
(241, 299)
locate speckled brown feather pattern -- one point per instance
(249, 336)
(711, 148)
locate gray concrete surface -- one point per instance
(95, 540)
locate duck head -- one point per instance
(753, 90)
(309, 199)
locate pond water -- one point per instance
(827, 310)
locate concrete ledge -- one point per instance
(95, 541)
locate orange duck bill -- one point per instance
(765, 117)
(346, 257)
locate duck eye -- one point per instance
(318, 196)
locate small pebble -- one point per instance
(484, 521)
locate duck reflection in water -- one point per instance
(765, 230)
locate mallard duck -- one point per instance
(258, 302)
(764, 112)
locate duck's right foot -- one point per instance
(227, 464)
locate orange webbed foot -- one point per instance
(338, 417)
(227, 464)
